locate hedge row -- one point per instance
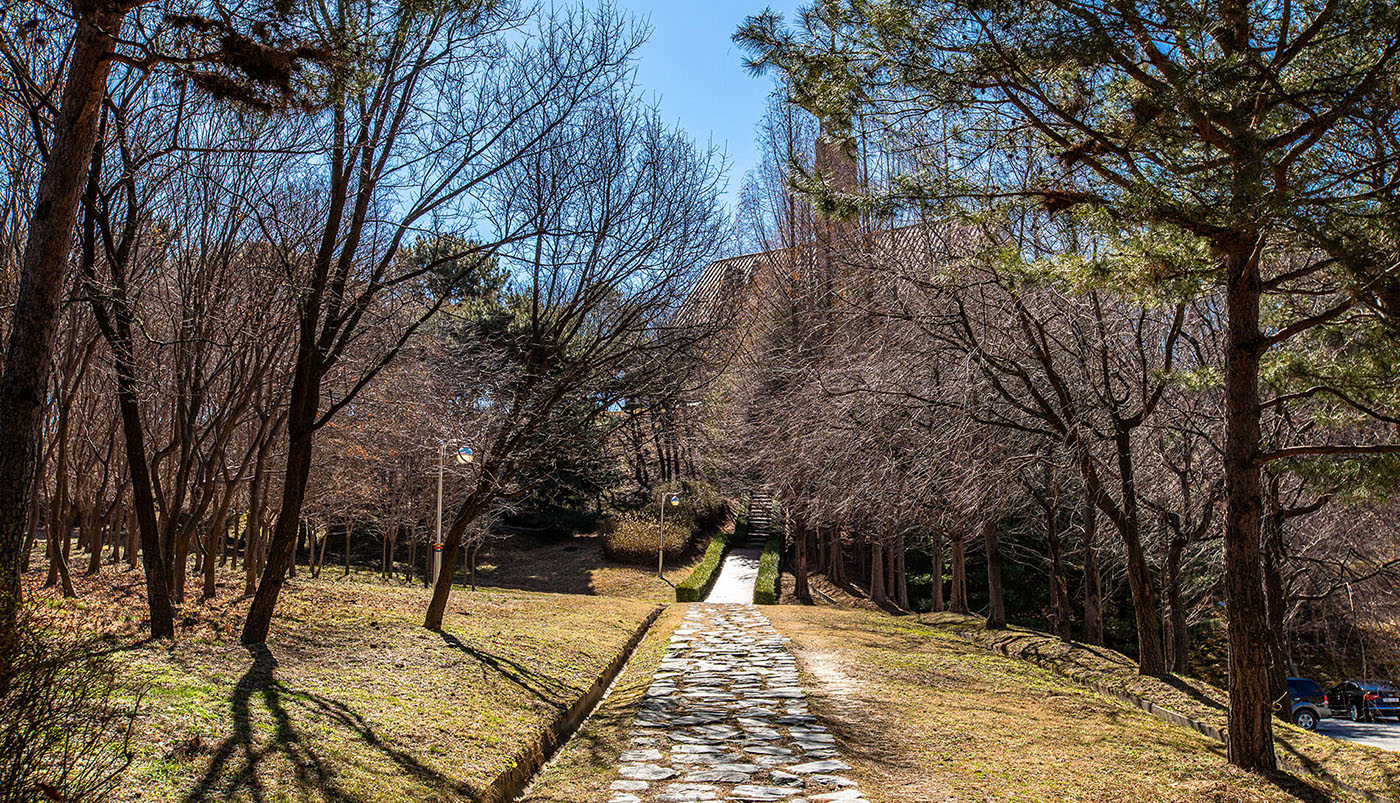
(697, 585)
(765, 588)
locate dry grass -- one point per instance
(924, 715)
(634, 539)
(351, 700)
(586, 766)
(1359, 766)
(577, 566)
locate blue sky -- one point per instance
(696, 72)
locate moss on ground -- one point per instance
(588, 763)
(352, 700)
(923, 714)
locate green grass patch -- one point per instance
(697, 585)
(351, 699)
(765, 588)
(586, 766)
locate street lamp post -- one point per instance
(674, 499)
(464, 455)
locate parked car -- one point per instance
(1364, 700)
(1309, 703)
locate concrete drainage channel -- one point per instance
(526, 764)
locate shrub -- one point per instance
(765, 588)
(708, 508)
(64, 734)
(695, 587)
(633, 539)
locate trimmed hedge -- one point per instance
(702, 577)
(765, 588)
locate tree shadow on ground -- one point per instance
(1311, 765)
(238, 764)
(1190, 690)
(549, 690)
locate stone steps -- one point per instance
(760, 518)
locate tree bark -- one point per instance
(452, 542)
(1251, 733)
(1059, 588)
(996, 597)
(901, 585)
(936, 603)
(1275, 596)
(1151, 659)
(34, 317)
(799, 562)
(301, 419)
(877, 572)
(1093, 584)
(1178, 640)
(957, 597)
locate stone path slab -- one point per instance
(725, 718)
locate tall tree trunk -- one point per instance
(1178, 639)
(58, 503)
(937, 604)
(58, 559)
(996, 596)
(1151, 660)
(133, 535)
(799, 560)
(877, 572)
(118, 527)
(1251, 732)
(32, 528)
(1275, 596)
(1059, 588)
(957, 595)
(96, 531)
(34, 316)
(901, 584)
(321, 556)
(303, 407)
(218, 536)
(836, 570)
(452, 542)
(1093, 584)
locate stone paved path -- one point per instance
(726, 719)
(737, 576)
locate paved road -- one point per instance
(737, 576)
(1384, 734)
(726, 719)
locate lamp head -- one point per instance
(464, 454)
(675, 500)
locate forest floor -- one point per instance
(352, 700)
(576, 565)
